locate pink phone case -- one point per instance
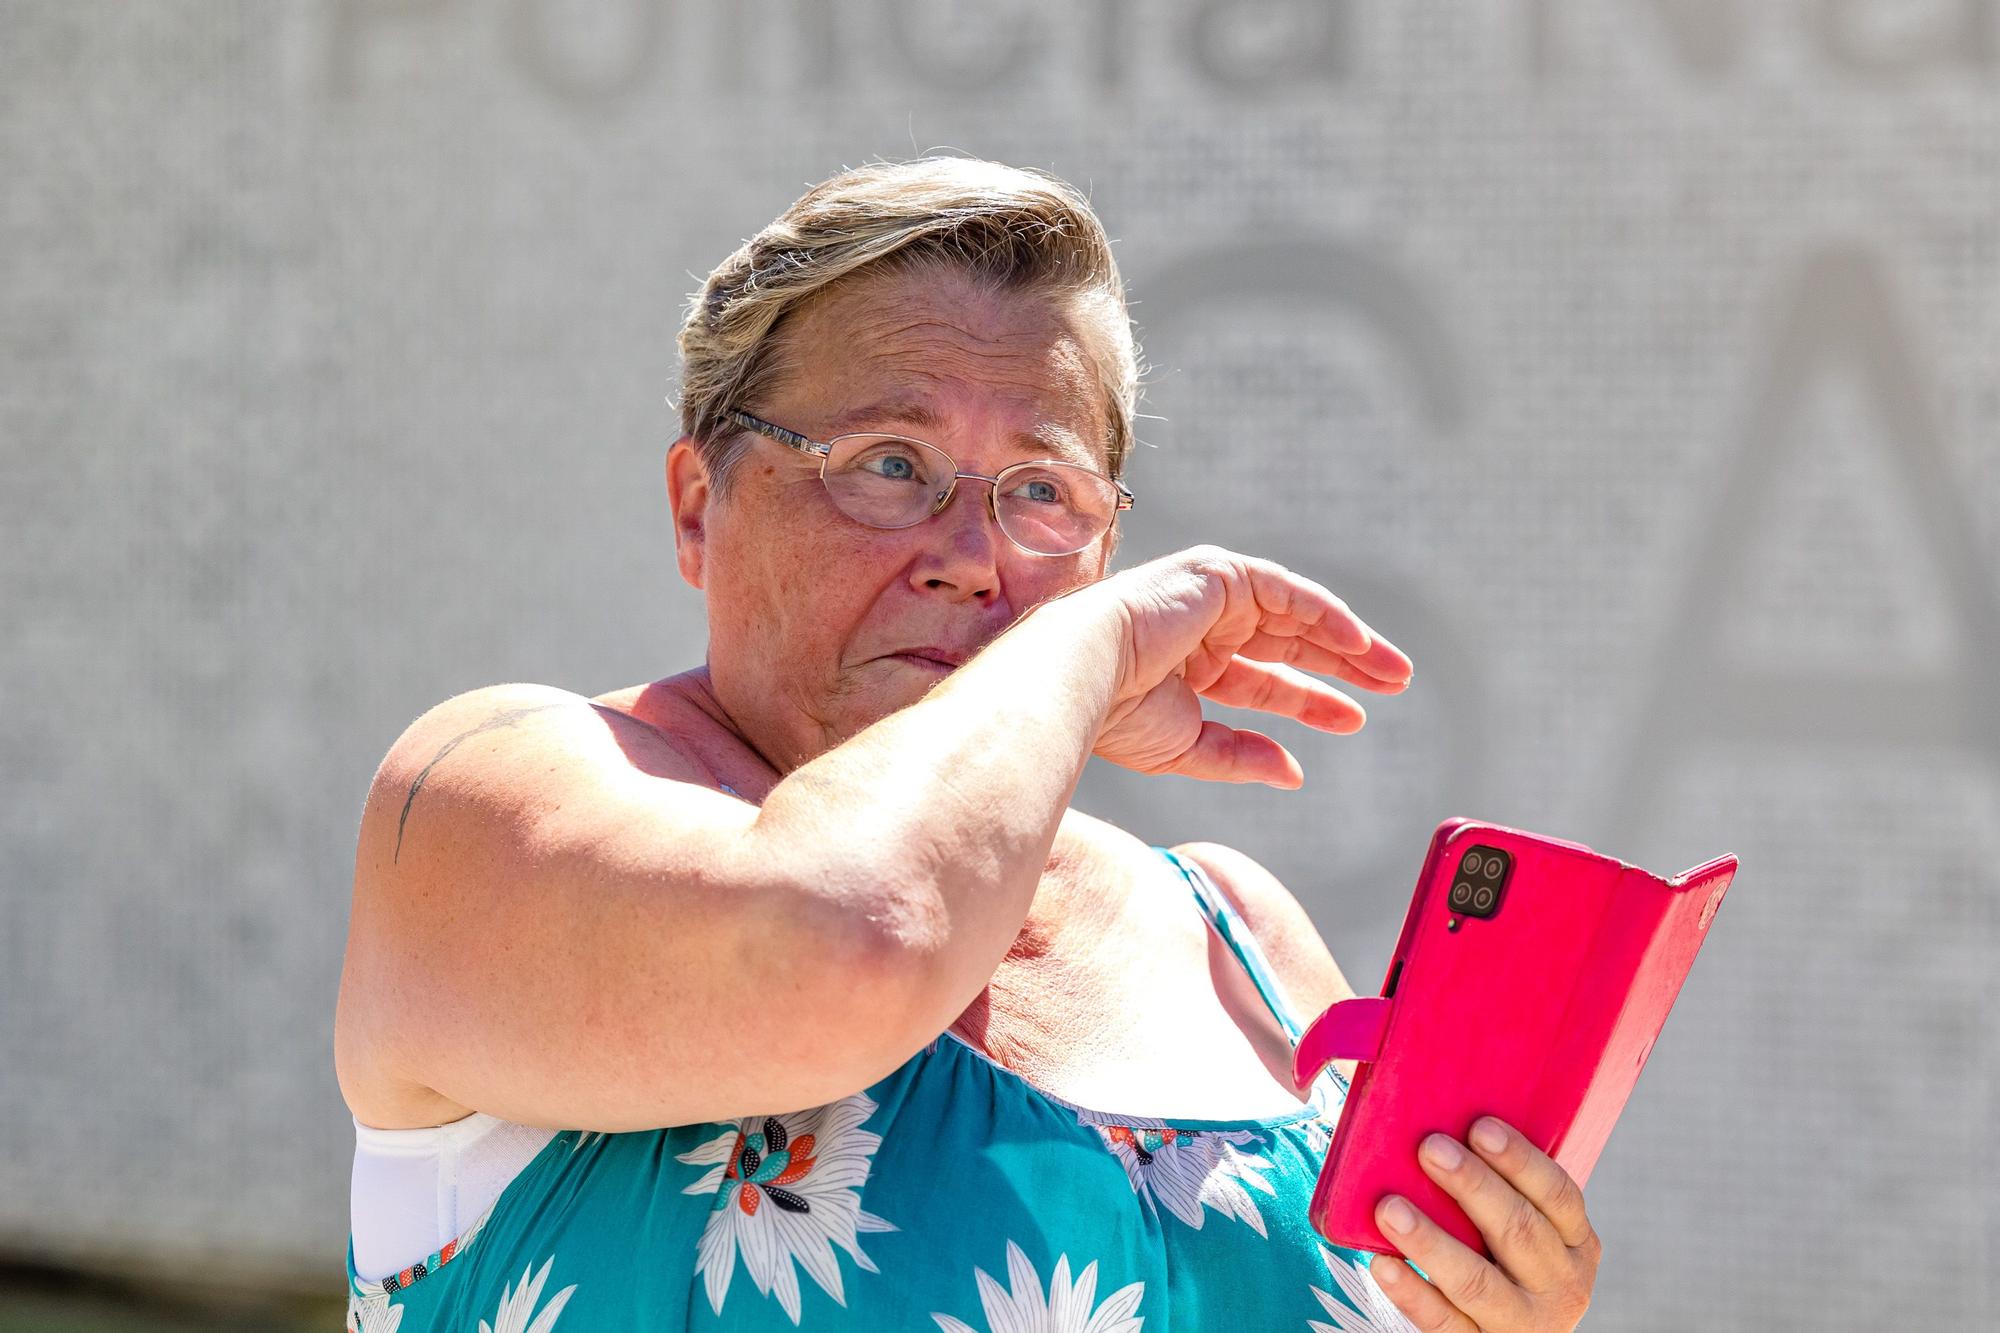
(1542, 1013)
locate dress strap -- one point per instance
(1228, 923)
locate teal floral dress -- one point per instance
(951, 1195)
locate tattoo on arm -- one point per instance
(494, 723)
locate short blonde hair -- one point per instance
(1011, 229)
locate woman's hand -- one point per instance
(1210, 623)
(1530, 1211)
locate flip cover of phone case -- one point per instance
(1541, 1012)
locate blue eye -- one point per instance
(896, 467)
(884, 460)
(1038, 488)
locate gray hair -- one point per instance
(1011, 229)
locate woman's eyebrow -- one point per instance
(920, 415)
(902, 411)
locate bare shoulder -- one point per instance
(491, 802)
(522, 714)
(1282, 927)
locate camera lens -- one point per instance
(1483, 899)
(1472, 864)
(1461, 894)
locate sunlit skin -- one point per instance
(804, 603)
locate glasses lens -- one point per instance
(1055, 508)
(886, 481)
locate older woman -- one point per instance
(789, 991)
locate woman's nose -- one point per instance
(965, 551)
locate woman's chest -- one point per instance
(1166, 1024)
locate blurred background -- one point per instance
(1633, 364)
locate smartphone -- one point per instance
(1531, 979)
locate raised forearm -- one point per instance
(945, 811)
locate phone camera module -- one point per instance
(1482, 876)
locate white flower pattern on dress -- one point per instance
(1066, 1308)
(1189, 1170)
(373, 1314)
(787, 1189)
(1371, 1312)
(517, 1306)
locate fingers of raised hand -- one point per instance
(1276, 688)
(1291, 606)
(1231, 754)
(1300, 652)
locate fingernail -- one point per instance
(1487, 1134)
(1397, 1215)
(1443, 1152)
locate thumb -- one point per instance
(1229, 754)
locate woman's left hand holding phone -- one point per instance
(1530, 1210)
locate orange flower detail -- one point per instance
(801, 1162)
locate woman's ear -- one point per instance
(688, 496)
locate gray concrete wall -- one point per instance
(1634, 365)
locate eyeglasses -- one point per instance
(1046, 507)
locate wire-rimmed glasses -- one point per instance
(1046, 506)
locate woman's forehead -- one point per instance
(918, 362)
